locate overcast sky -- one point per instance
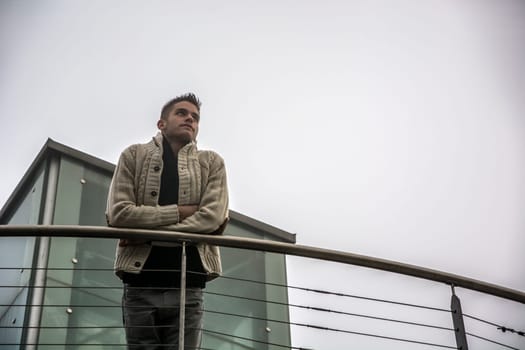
(393, 129)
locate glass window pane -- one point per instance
(16, 259)
(238, 314)
(83, 293)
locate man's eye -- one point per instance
(180, 112)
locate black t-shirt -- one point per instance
(168, 259)
(162, 269)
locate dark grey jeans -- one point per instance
(151, 318)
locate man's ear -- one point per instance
(161, 124)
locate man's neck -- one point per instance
(175, 145)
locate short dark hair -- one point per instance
(189, 97)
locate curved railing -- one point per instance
(288, 249)
(269, 246)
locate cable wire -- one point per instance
(319, 291)
(332, 311)
(348, 332)
(331, 329)
(491, 341)
(499, 327)
(503, 329)
(245, 316)
(97, 344)
(244, 338)
(252, 340)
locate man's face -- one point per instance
(182, 123)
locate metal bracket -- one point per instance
(457, 320)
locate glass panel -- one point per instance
(84, 304)
(16, 258)
(83, 300)
(279, 332)
(237, 315)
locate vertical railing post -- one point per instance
(457, 320)
(40, 265)
(182, 306)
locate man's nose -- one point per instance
(189, 118)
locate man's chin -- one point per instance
(184, 136)
(181, 139)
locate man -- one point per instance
(167, 184)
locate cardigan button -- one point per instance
(156, 168)
(153, 193)
(137, 263)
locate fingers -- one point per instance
(127, 242)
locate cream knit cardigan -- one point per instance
(133, 200)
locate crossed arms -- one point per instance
(207, 217)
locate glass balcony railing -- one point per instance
(72, 301)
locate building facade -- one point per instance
(61, 293)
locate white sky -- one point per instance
(392, 129)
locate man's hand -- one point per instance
(126, 242)
(187, 210)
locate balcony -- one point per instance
(75, 303)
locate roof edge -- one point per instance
(79, 155)
(274, 231)
(22, 184)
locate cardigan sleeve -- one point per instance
(122, 207)
(212, 214)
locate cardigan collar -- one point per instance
(186, 149)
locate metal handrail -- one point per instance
(265, 245)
